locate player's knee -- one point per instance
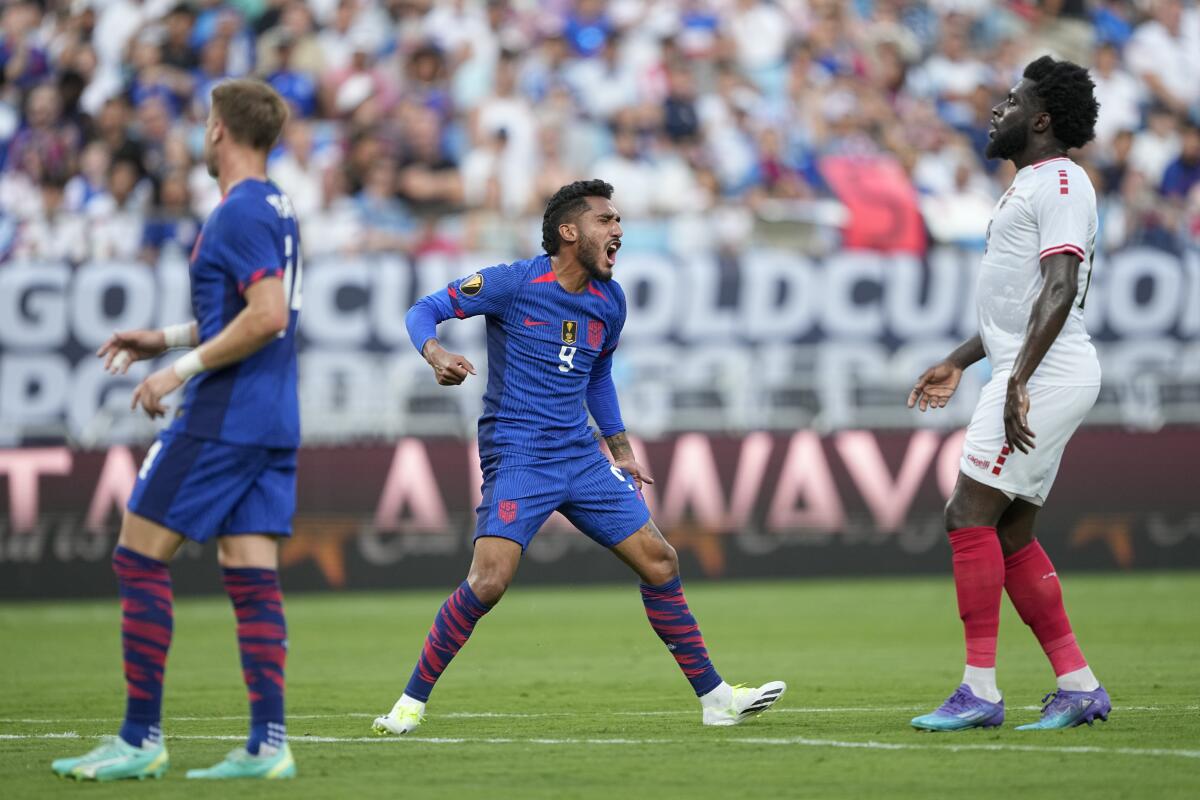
(488, 585)
(663, 566)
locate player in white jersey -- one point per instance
(1033, 283)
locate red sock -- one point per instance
(979, 580)
(1034, 589)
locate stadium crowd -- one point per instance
(424, 126)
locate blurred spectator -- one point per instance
(1116, 163)
(170, 221)
(1183, 174)
(587, 27)
(605, 84)
(1118, 93)
(294, 85)
(92, 179)
(116, 216)
(177, 50)
(628, 168)
(46, 143)
(429, 178)
(22, 62)
(959, 214)
(50, 232)
(1165, 53)
(1156, 146)
(295, 38)
(385, 224)
(297, 169)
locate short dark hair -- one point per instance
(565, 204)
(252, 110)
(1066, 93)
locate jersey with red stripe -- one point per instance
(548, 352)
(1049, 209)
(253, 234)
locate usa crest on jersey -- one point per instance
(570, 331)
(595, 335)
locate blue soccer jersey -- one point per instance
(549, 355)
(253, 234)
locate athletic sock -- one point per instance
(1032, 585)
(668, 613)
(982, 683)
(451, 628)
(262, 640)
(147, 618)
(979, 581)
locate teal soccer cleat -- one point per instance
(113, 760)
(1067, 709)
(270, 763)
(962, 711)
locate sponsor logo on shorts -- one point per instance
(508, 510)
(982, 463)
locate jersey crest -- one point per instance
(595, 334)
(570, 331)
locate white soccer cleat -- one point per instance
(733, 705)
(405, 717)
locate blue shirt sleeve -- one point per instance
(602, 392)
(488, 292)
(246, 244)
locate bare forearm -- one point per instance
(248, 333)
(1050, 312)
(618, 445)
(967, 353)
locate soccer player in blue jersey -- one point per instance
(552, 325)
(226, 466)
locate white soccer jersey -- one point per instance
(1050, 208)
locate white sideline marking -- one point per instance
(784, 741)
(552, 714)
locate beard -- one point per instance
(1008, 143)
(590, 253)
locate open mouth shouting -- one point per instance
(610, 252)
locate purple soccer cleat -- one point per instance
(961, 711)
(1067, 709)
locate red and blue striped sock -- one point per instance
(262, 640)
(668, 613)
(451, 628)
(147, 619)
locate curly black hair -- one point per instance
(1066, 93)
(565, 204)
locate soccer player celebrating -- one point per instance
(1045, 377)
(552, 325)
(226, 466)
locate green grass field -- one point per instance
(567, 693)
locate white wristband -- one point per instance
(178, 335)
(189, 365)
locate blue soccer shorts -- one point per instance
(520, 494)
(201, 488)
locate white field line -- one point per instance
(782, 741)
(561, 714)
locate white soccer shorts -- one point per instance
(1054, 414)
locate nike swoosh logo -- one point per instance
(1050, 575)
(529, 323)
